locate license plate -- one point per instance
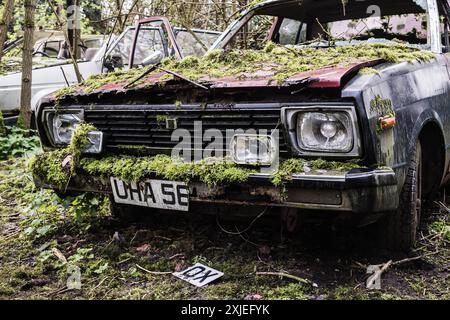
(161, 194)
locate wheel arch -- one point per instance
(433, 143)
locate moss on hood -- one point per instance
(274, 62)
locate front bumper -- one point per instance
(358, 191)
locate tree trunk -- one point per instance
(67, 38)
(76, 31)
(4, 23)
(27, 63)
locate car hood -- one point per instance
(275, 67)
(328, 77)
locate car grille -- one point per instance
(140, 127)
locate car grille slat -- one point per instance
(148, 127)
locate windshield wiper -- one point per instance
(175, 74)
(146, 72)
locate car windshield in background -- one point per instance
(190, 45)
(153, 38)
(149, 40)
(329, 23)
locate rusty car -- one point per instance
(354, 97)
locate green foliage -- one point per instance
(17, 142)
(211, 171)
(441, 228)
(295, 166)
(2, 125)
(292, 291)
(382, 107)
(86, 206)
(51, 163)
(129, 168)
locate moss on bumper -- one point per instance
(212, 172)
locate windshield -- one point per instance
(195, 42)
(330, 23)
(149, 41)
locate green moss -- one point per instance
(49, 165)
(292, 291)
(118, 77)
(2, 125)
(128, 168)
(297, 166)
(211, 171)
(278, 61)
(368, 71)
(382, 107)
(161, 120)
(64, 91)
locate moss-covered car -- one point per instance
(312, 106)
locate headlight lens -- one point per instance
(325, 131)
(253, 149)
(63, 126)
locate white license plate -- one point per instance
(161, 194)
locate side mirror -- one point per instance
(153, 59)
(113, 62)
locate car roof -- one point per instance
(330, 10)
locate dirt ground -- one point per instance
(42, 238)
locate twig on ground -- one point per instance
(98, 285)
(398, 262)
(124, 260)
(284, 275)
(162, 238)
(59, 291)
(176, 256)
(153, 272)
(10, 215)
(442, 206)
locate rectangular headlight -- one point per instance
(61, 127)
(325, 131)
(253, 149)
(321, 130)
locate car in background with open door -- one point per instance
(156, 37)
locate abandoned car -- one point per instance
(311, 106)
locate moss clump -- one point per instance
(128, 168)
(297, 166)
(2, 125)
(369, 71)
(161, 120)
(118, 77)
(64, 91)
(382, 107)
(210, 171)
(51, 166)
(277, 61)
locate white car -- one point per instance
(155, 37)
